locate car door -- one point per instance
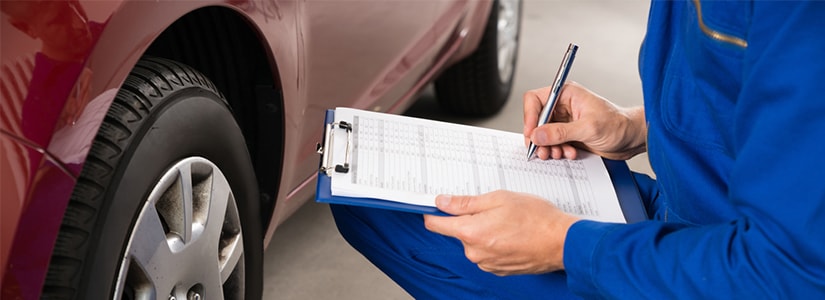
(367, 54)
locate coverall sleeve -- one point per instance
(776, 247)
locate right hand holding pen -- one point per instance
(583, 119)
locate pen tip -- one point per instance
(530, 150)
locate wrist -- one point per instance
(635, 131)
(566, 223)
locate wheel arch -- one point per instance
(127, 34)
(220, 43)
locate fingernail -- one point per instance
(443, 200)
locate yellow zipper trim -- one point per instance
(715, 34)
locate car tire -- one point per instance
(166, 204)
(480, 84)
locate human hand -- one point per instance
(586, 120)
(504, 232)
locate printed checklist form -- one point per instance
(411, 160)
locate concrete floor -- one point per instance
(308, 259)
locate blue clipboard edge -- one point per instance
(324, 195)
(626, 190)
(623, 181)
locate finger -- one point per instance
(463, 205)
(570, 152)
(543, 153)
(448, 226)
(556, 152)
(462, 228)
(568, 91)
(562, 112)
(560, 133)
(461, 208)
(533, 103)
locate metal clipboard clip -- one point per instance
(326, 151)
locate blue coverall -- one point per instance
(735, 103)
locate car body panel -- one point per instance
(314, 47)
(394, 73)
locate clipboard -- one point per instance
(623, 182)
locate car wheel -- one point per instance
(166, 205)
(480, 84)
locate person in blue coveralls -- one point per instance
(733, 122)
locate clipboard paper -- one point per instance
(401, 163)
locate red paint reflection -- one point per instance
(56, 91)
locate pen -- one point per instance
(561, 76)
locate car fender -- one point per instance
(45, 162)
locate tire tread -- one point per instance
(138, 96)
(472, 87)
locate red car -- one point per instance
(151, 148)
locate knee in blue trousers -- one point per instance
(432, 266)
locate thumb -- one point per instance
(463, 205)
(551, 134)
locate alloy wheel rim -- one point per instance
(186, 242)
(507, 43)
